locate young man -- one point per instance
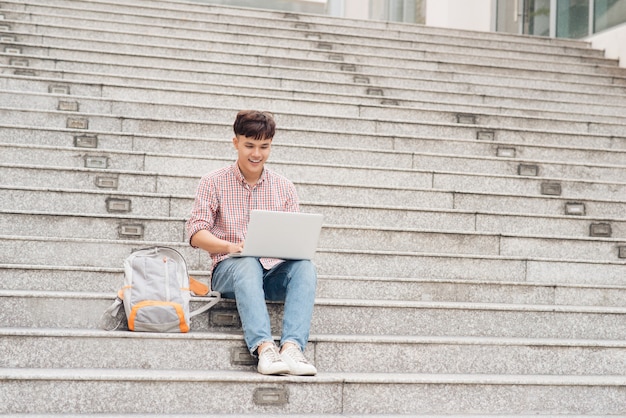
(218, 224)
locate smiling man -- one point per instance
(218, 225)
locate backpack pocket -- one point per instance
(158, 316)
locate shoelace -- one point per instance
(296, 354)
(272, 354)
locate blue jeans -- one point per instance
(292, 281)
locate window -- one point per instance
(608, 13)
(572, 18)
(537, 17)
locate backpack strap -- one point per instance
(200, 289)
(215, 298)
(111, 319)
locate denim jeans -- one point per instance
(292, 281)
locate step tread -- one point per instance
(120, 153)
(477, 256)
(484, 176)
(400, 304)
(351, 339)
(586, 219)
(142, 375)
(335, 228)
(386, 81)
(364, 279)
(119, 143)
(60, 117)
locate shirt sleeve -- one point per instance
(292, 203)
(204, 209)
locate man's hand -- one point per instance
(235, 248)
(213, 245)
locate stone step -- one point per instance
(192, 11)
(248, 44)
(337, 237)
(468, 98)
(345, 317)
(522, 259)
(70, 30)
(442, 67)
(151, 194)
(168, 104)
(97, 202)
(466, 267)
(515, 185)
(60, 33)
(387, 139)
(245, 53)
(141, 56)
(274, 26)
(158, 102)
(37, 348)
(172, 165)
(321, 63)
(341, 393)
(186, 127)
(459, 220)
(434, 85)
(121, 207)
(396, 153)
(313, 164)
(393, 288)
(77, 279)
(109, 213)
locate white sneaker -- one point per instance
(270, 361)
(298, 364)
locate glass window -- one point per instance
(572, 18)
(410, 11)
(537, 17)
(608, 13)
(507, 16)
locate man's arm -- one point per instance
(207, 241)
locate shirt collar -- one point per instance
(241, 178)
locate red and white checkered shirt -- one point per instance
(224, 201)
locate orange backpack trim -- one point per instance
(179, 312)
(198, 288)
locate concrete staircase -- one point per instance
(473, 259)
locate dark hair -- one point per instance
(255, 124)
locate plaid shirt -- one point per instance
(224, 201)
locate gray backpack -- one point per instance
(157, 292)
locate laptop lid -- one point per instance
(284, 235)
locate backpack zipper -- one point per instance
(167, 279)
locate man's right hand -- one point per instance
(235, 248)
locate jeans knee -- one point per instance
(305, 270)
(247, 269)
(240, 273)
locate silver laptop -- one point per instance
(284, 235)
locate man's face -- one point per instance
(251, 155)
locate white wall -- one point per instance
(459, 14)
(356, 9)
(613, 42)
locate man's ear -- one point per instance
(235, 141)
